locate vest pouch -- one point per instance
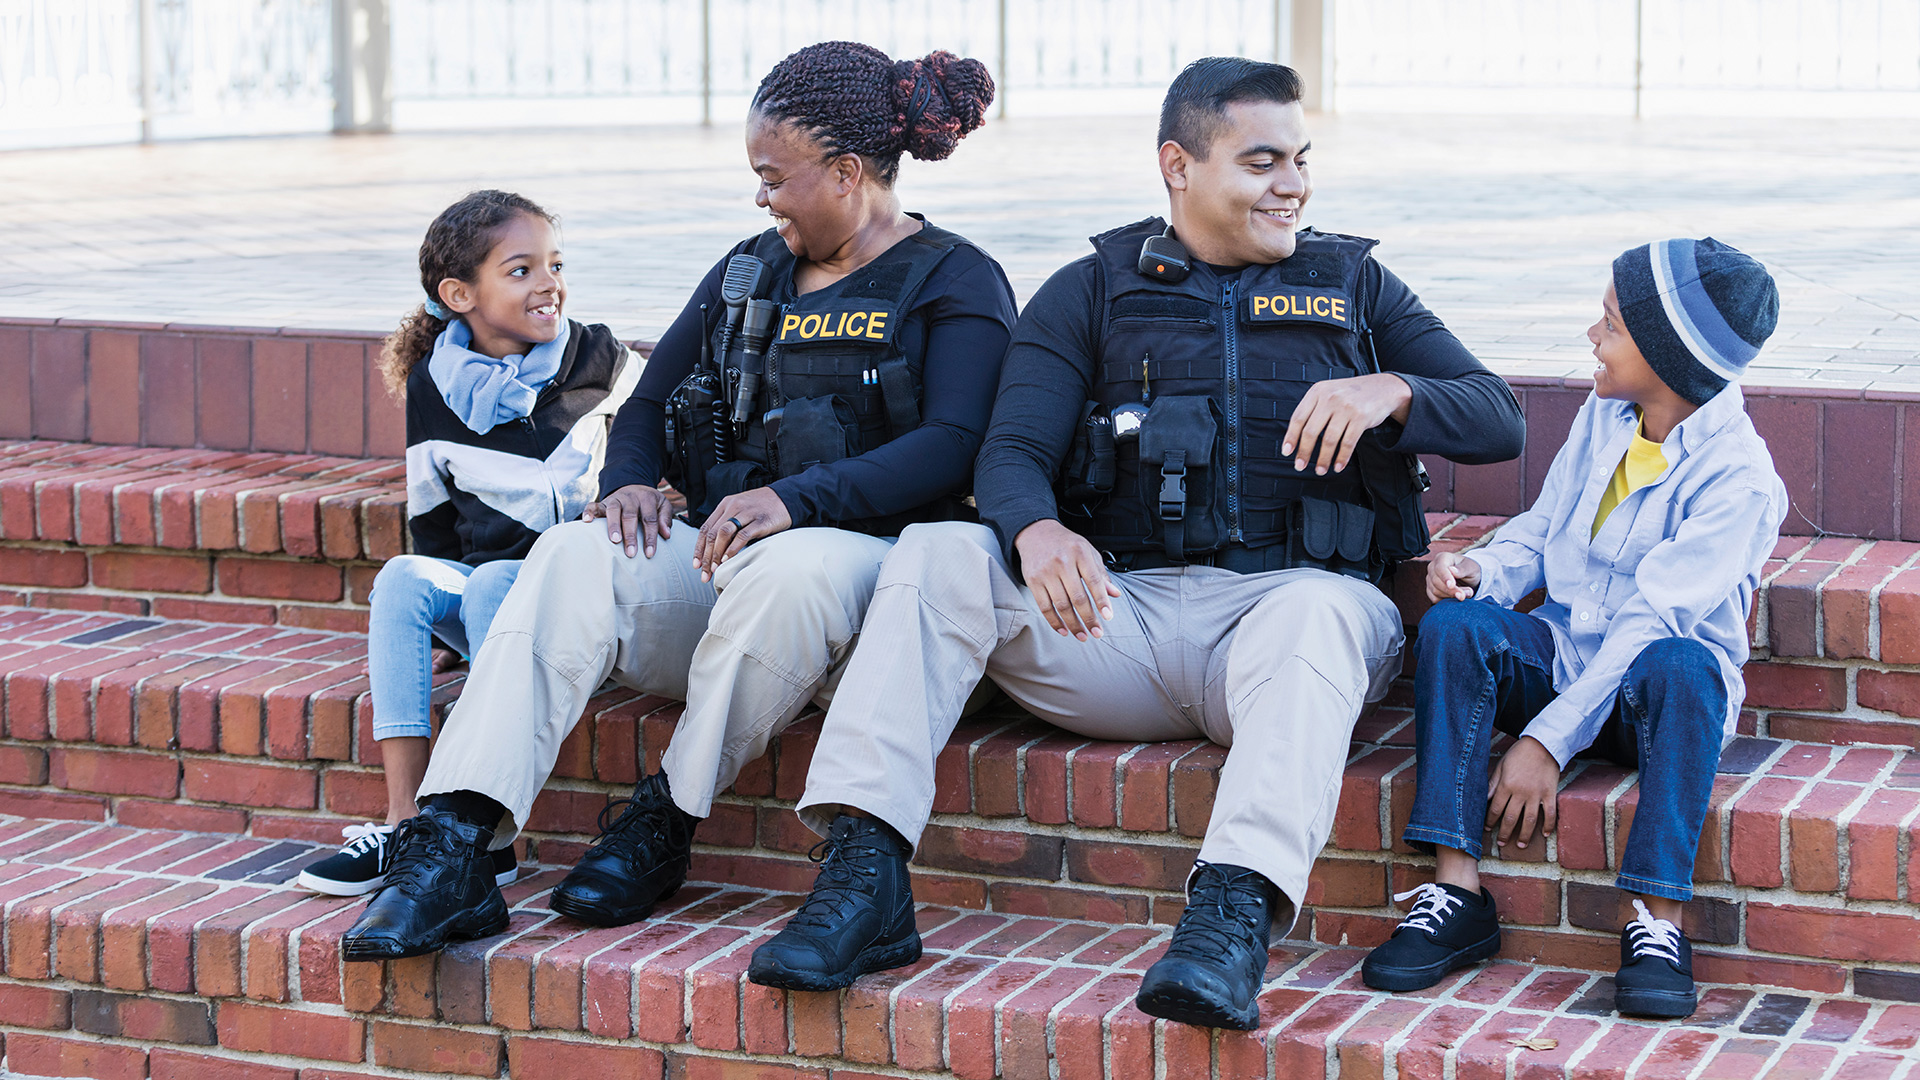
(815, 431)
(696, 419)
(1396, 483)
(1088, 476)
(1179, 474)
(1336, 536)
(724, 479)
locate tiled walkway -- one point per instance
(1505, 225)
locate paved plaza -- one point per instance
(1504, 225)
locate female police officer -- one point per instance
(828, 383)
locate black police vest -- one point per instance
(844, 375)
(1220, 364)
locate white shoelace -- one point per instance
(1648, 936)
(1431, 909)
(364, 838)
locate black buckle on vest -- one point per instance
(1173, 486)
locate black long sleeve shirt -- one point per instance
(1460, 410)
(962, 321)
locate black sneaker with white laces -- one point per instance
(1449, 928)
(358, 868)
(1656, 969)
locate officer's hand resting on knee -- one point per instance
(1451, 577)
(1336, 412)
(1066, 575)
(636, 515)
(1523, 791)
(739, 520)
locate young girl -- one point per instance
(506, 429)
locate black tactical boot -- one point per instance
(1212, 970)
(1447, 928)
(859, 917)
(639, 859)
(1656, 969)
(439, 889)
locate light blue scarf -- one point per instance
(484, 392)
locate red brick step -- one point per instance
(135, 953)
(1807, 869)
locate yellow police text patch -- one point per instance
(1298, 304)
(840, 324)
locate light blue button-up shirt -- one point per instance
(1680, 557)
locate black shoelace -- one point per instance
(1222, 915)
(637, 822)
(416, 841)
(841, 879)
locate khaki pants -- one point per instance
(747, 653)
(1274, 665)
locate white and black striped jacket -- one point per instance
(476, 498)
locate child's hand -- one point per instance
(1451, 577)
(1524, 791)
(636, 515)
(444, 660)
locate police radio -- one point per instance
(756, 330)
(1164, 258)
(749, 326)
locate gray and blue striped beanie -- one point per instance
(1698, 309)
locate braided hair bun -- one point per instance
(854, 99)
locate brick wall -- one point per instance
(1842, 453)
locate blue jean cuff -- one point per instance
(1653, 888)
(402, 731)
(1426, 839)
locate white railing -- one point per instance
(105, 70)
(101, 70)
(1813, 57)
(473, 61)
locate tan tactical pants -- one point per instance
(1274, 665)
(747, 652)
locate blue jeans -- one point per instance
(1484, 668)
(416, 599)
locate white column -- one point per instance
(362, 66)
(1311, 40)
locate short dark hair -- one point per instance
(1198, 99)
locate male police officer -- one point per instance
(1216, 576)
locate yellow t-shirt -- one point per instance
(1641, 465)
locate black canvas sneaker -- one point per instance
(1447, 929)
(360, 866)
(1656, 969)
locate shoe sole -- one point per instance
(1419, 978)
(490, 922)
(1183, 1010)
(565, 904)
(872, 958)
(1656, 1004)
(333, 887)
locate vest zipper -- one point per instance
(1229, 314)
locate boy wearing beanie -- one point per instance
(1648, 536)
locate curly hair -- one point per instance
(854, 99)
(456, 244)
